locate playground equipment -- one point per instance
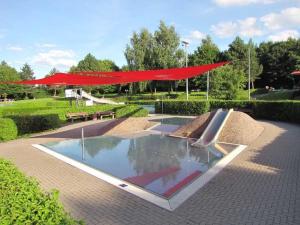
(212, 131)
(79, 94)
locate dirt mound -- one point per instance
(240, 128)
(127, 125)
(195, 128)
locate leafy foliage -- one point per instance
(23, 202)
(274, 110)
(226, 82)
(208, 52)
(279, 59)
(8, 129)
(26, 72)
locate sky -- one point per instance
(59, 33)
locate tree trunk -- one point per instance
(252, 84)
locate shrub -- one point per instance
(278, 110)
(131, 111)
(23, 202)
(228, 104)
(27, 124)
(182, 107)
(8, 129)
(288, 111)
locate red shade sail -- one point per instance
(296, 72)
(105, 78)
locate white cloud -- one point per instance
(15, 48)
(46, 45)
(224, 29)
(284, 35)
(197, 35)
(55, 58)
(249, 28)
(194, 35)
(226, 3)
(287, 18)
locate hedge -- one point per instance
(23, 202)
(27, 124)
(8, 129)
(182, 107)
(288, 111)
(131, 111)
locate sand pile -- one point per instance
(195, 128)
(127, 125)
(240, 129)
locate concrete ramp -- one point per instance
(212, 131)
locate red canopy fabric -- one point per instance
(296, 72)
(105, 78)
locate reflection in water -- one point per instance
(156, 163)
(94, 145)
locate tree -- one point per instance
(238, 54)
(139, 55)
(8, 73)
(89, 63)
(255, 67)
(226, 82)
(26, 72)
(53, 88)
(208, 52)
(107, 65)
(154, 51)
(279, 59)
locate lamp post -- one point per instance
(249, 73)
(207, 86)
(185, 44)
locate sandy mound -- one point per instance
(127, 125)
(240, 129)
(195, 128)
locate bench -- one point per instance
(78, 115)
(105, 113)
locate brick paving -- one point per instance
(260, 186)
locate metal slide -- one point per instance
(99, 100)
(212, 131)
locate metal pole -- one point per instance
(207, 86)
(186, 80)
(249, 73)
(82, 143)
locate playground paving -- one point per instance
(260, 186)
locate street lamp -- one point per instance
(249, 72)
(185, 44)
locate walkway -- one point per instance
(260, 186)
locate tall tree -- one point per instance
(154, 51)
(138, 55)
(208, 52)
(237, 53)
(89, 63)
(279, 59)
(26, 72)
(255, 67)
